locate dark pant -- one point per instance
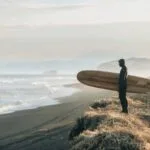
(123, 99)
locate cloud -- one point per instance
(30, 28)
(39, 13)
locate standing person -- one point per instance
(123, 86)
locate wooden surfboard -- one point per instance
(109, 81)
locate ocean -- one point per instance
(21, 92)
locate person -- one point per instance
(123, 86)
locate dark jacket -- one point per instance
(123, 78)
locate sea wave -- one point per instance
(27, 93)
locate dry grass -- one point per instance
(103, 127)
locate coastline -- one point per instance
(21, 125)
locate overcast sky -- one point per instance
(28, 30)
(58, 12)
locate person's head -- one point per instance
(121, 62)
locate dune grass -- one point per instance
(103, 127)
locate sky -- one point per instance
(62, 12)
(70, 29)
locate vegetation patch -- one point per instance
(108, 129)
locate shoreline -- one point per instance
(54, 101)
(20, 126)
(79, 88)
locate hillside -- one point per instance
(136, 66)
(104, 127)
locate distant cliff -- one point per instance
(51, 72)
(136, 66)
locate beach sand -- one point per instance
(45, 128)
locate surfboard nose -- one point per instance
(80, 75)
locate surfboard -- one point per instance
(109, 81)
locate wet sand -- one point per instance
(45, 128)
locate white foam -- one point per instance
(29, 93)
(10, 81)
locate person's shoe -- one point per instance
(124, 111)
